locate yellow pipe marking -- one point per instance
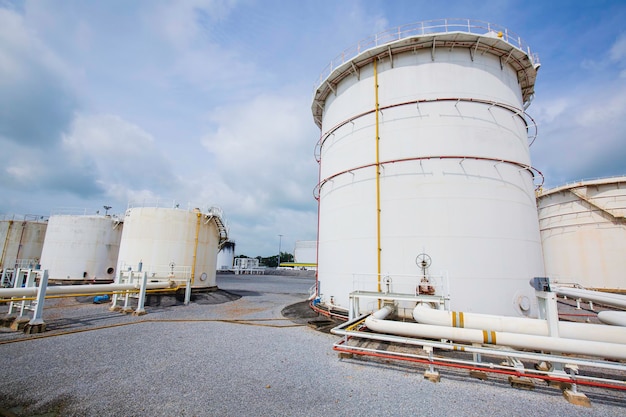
(489, 337)
(378, 255)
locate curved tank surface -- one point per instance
(82, 247)
(22, 241)
(173, 242)
(583, 231)
(424, 155)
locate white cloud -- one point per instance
(617, 53)
(37, 100)
(584, 138)
(125, 159)
(262, 153)
(265, 144)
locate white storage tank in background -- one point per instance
(424, 154)
(173, 242)
(305, 252)
(82, 247)
(22, 241)
(226, 256)
(583, 230)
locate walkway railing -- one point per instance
(424, 28)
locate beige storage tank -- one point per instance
(82, 247)
(22, 241)
(583, 232)
(172, 242)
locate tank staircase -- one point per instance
(581, 192)
(215, 214)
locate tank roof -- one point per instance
(584, 183)
(481, 37)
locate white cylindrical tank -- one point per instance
(583, 231)
(424, 152)
(173, 242)
(81, 247)
(305, 252)
(22, 241)
(226, 256)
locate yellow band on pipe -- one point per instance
(458, 320)
(489, 337)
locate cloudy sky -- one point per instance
(207, 102)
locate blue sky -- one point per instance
(207, 103)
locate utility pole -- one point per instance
(280, 239)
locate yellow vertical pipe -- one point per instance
(379, 249)
(6, 243)
(195, 248)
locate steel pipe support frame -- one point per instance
(140, 311)
(41, 299)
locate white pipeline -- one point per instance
(614, 318)
(523, 341)
(80, 289)
(616, 300)
(567, 330)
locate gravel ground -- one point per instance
(233, 353)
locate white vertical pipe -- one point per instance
(4, 275)
(118, 278)
(29, 283)
(16, 280)
(127, 295)
(550, 310)
(142, 294)
(41, 299)
(188, 291)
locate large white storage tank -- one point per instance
(173, 242)
(424, 154)
(81, 247)
(583, 231)
(22, 241)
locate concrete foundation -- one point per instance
(521, 383)
(432, 376)
(576, 398)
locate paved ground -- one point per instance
(234, 353)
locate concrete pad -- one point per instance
(35, 328)
(478, 375)
(19, 323)
(576, 398)
(521, 383)
(432, 376)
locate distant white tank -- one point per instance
(22, 241)
(81, 247)
(226, 256)
(173, 242)
(424, 159)
(305, 251)
(583, 231)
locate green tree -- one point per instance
(272, 261)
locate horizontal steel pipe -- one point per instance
(616, 300)
(567, 330)
(524, 341)
(80, 289)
